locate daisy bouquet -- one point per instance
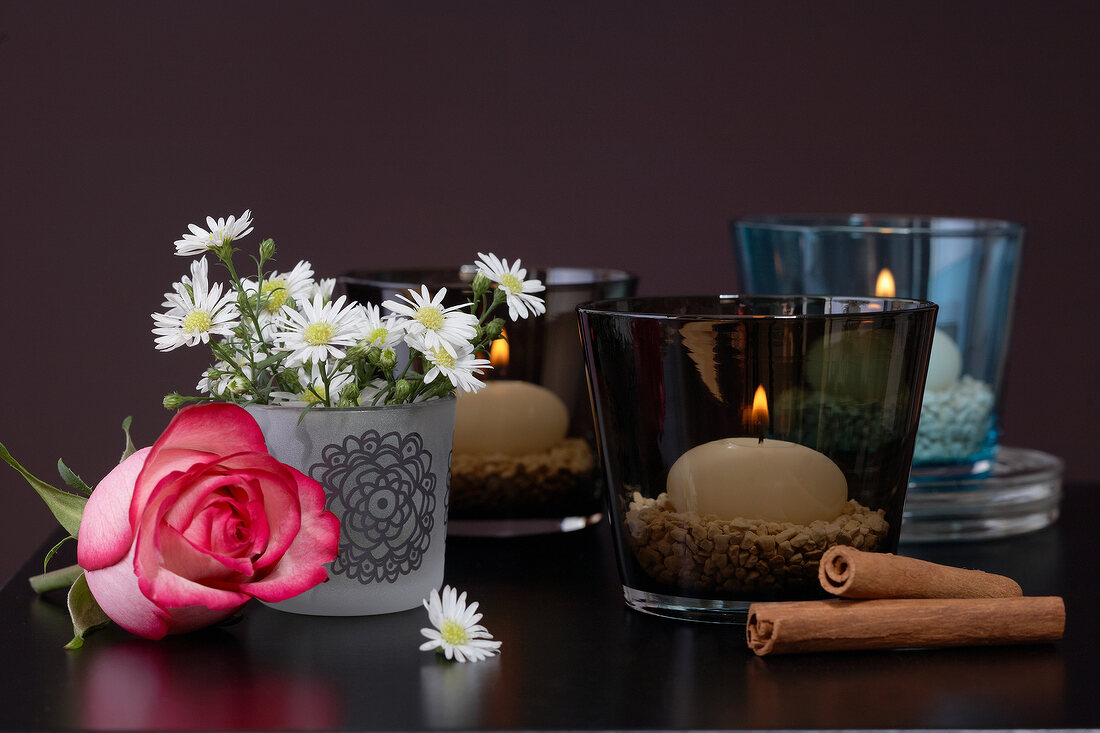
(281, 338)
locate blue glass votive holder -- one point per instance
(969, 267)
(742, 436)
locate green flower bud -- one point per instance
(481, 285)
(495, 328)
(374, 356)
(288, 380)
(358, 352)
(267, 249)
(388, 359)
(401, 391)
(223, 251)
(174, 401)
(349, 396)
(499, 295)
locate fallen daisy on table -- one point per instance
(457, 634)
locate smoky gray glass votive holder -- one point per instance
(742, 436)
(969, 267)
(502, 484)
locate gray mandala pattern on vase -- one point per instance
(383, 490)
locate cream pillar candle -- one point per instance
(757, 478)
(510, 417)
(944, 365)
(774, 480)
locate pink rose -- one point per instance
(182, 534)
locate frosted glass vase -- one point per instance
(385, 471)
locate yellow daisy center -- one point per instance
(431, 317)
(378, 335)
(511, 282)
(453, 633)
(319, 333)
(313, 393)
(276, 295)
(197, 321)
(441, 357)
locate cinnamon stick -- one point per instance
(895, 623)
(851, 573)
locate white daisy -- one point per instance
(324, 286)
(459, 367)
(197, 310)
(319, 330)
(313, 387)
(520, 301)
(385, 333)
(227, 380)
(279, 288)
(457, 633)
(429, 320)
(220, 232)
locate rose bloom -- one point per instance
(180, 535)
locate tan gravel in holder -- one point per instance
(706, 553)
(498, 481)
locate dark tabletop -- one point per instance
(573, 657)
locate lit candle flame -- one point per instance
(884, 285)
(498, 351)
(760, 418)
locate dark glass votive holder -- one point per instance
(552, 488)
(742, 436)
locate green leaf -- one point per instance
(71, 479)
(67, 508)
(55, 579)
(85, 611)
(53, 551)
(129, 450)
(270, 361)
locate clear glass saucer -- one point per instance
(519, 527)
(1022, 493)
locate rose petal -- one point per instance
(281, 503)
(317, 543)
(195, 489)
(265, 480)
(214, 428)
(171, 463)
(117, 591)
(105, 533)
(174, 591)
(229, 527)
(157, 581)
(196, 563)
(180, 494)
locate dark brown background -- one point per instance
(622, 134)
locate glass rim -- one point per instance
(462, 276)
(450, 396)
(934, 225)
(614, 307)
